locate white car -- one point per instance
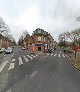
(8, 51)
(3, 49)
(23, 48)
(0, 50)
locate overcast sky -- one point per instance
(54, 16)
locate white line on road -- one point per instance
(63, 55)
(36, 55)
(33, 74)
(5, 55)
(9, 90)
(55, 54)
(59, 55)
(60, 52)
(30, 57)
(26, 59)
(3, 65)
(33, 56)
(51, 54)
(13, 60)
(20, 61)
(47, 54)
(11, 66)
(12, 54)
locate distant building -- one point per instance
(4, 42)
(39, 41)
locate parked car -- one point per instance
(54, 48)
(49, 51)
(0, 50)
(8, 51)
(3, 49)
(23, 48)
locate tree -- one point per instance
(62, 39)
(25, 35)
(74, 36)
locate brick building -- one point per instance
(39, 41)
(4, 42)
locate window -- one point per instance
(39, 31)
(36, 39)
(39, 38)
(44, 39)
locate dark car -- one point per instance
(49, 51)
(54, 48)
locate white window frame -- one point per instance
(39, 38)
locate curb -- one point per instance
(73, 64)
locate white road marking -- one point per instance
(9, 90)
(51, 54)
(4, 55)
(33, 74)
(60, 52)
(3, 65)
(20, 61)
(30, 57)
(26, 75)
(55, 55)
(26, 59)
(33, 56)
(47, 54)
(11, 66)
(13, 60)
(63, 55)
(59, 55)
(12, 54)
(36, 55)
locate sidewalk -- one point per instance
(75, 62)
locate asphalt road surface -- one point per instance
(23, 72)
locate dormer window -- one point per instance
(39, 31)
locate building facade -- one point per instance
(5, 42)
(39, 41)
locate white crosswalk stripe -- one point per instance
(13, 60)
(51, 54)
(55, 54)
(60, 51)
(26, 59)
(47, 54)
(63, 55)
(33, 56)
(36, 55)
(20, 61)
(11, 66)
(59, 55)
(3, 65)
(29, 57)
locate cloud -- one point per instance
(54, 16)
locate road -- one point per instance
(23, 72)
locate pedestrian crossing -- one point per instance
(24, 59)
(21, 60)
(57, 55)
